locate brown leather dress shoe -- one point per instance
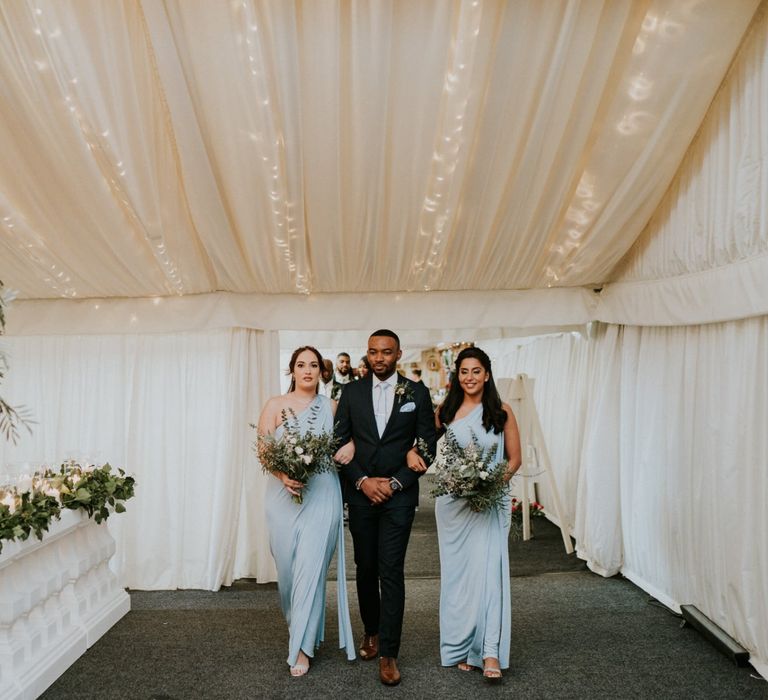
(388, 672)
(369, 647)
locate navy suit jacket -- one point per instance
(411, 418)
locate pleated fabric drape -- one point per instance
(166, 147)
(174, 411)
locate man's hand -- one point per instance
(415, 461)
(345, 453)
(376, 489)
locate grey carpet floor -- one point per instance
(574, 635)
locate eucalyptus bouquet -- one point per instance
(296, 454)
(471, 473)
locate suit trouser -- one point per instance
(380, 537)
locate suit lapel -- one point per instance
(395, 406)
(368, 405)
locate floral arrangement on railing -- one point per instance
(31, 505)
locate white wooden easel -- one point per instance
(518, 391)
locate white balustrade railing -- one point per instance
(58, 596)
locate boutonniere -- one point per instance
(403, 392)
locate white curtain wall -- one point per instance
(559, 364)
(598, 513)
(656, 438)
(659, 448)
(674, 471)
(173, 410)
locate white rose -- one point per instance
(10, 501)
(307, 459)
(298, 450)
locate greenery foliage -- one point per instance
(30, 509)
(295, 454)
(471, 473)
(32, 512)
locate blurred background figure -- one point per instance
(342, 375)
(363, 368)
(326, 379)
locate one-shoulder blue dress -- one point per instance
(303, 538)
(475, 608)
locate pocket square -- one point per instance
(408, 407)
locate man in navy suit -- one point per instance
(384, 414)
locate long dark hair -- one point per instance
(494, 416)
(292, 365)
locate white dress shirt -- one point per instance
(383, 400)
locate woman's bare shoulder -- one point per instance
(275, 404)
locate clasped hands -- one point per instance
(377, 488)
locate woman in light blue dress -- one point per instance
(303, 537)
(475, 612)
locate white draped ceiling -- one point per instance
(704, 255)
(160, 149)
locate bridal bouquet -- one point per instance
(297, 455)
(471, 473)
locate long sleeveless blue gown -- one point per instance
(303, 538)
(475, 607)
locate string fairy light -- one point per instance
(270, 153)
(436, 210)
